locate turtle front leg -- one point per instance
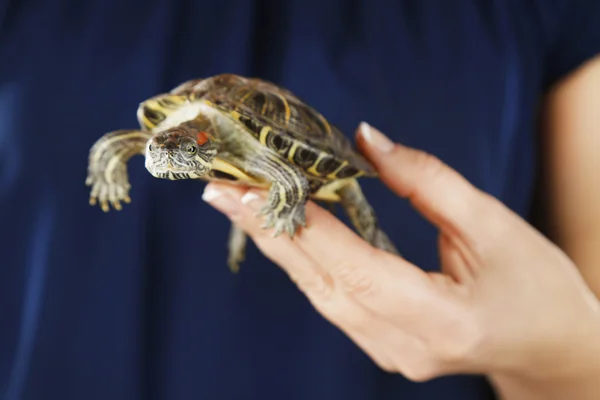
(363, 217)
(285, 208)
(107, 166)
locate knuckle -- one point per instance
(417, 363)
(428, 164)
(420, 372)
(313, 285)
(354, 279)
(428, 169)
(386, 365)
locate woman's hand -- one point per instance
(508, 303)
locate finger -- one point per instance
(281, 250)
(327, 247)
(338, 251)
(456, 261)
(328, 260)
(398, 348)
(376, 279)
(437, 191)
(325, 293)
(355, 293)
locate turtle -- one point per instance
(240, 130)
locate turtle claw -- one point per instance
(270, 216)
(107, 194)
(265, 210)
(104, 205)
(116, 205)
(284, 224)
(288, 222)
(300, 216)
(290, 229)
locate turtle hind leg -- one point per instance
(237, 248)
(363, 217)
(107, 166)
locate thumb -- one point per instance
(438, 192)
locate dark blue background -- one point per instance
(139, 304)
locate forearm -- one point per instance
(584, 251)
(570, 190)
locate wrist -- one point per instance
(570, 370)
(573, 387)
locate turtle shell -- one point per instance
(282, 122)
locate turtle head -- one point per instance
(183, 152)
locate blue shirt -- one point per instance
(139, 304)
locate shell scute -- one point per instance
(283, 122)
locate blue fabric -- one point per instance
(139, 304)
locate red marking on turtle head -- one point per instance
(202, 138)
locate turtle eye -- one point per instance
(191, 149)
(150, 147)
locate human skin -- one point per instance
(508, 302)
(571, 166)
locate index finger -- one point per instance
(341, 253)
(438, 192)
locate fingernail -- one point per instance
(211, 193)
(221, 201)
(375, 138)
(252, 200)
